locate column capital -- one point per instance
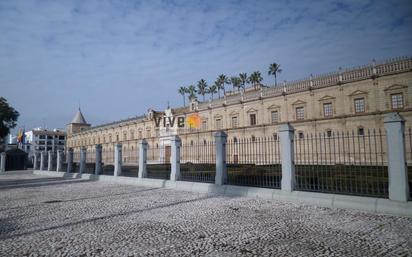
(286, 127)
(220, 134)
(393, 117)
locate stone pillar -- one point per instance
(82, 168)
(69, 160)
(42, 160)
(59, 161)
(2, 162)
(286, 134)
(142, 158)
(221, 169)
(397, 168)
(35, 160)
(175, 169)
(117, 160)
(50, 160)
(98, 166)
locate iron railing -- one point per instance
(254, 162)
(130, 155)
(158, 161)
(408, 149)
(342, 163)
(198, 162)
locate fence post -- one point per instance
(50, 160)
(82, 168)
(42, 160)
(117, 160)
(98, 165)
(59, 160)
(286, 134)
(142, 159)
(397, 169)
(221, 168)
(35, 157)
(175, 173)
(69, 160)
(2, 162)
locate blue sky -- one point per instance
(119, 58)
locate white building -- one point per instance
(40, 139)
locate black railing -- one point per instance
(408, 149)
(158, 161)
(197, 162)
(342, 163)
(254, 162)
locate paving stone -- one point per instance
(43, 216)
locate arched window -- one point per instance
(235, 140)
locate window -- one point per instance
(234, 122)
(131, 135)
(301, 135)
(204, 124)
(148, 134)
(397, 101)
(361, 131)
(140, 134)
(124, 136)
(235, 140)
(117, 138)
(274, 116)
(359, 105)
(275, 136)
(329, 133)
(219, 124)
(252, 119)
(327, 110)
(300, 113)
(253, 138)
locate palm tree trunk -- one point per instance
(184, 100)
(276, 82)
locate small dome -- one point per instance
(79, 118)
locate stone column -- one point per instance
(397, 168)
(69, 160)
(42, 160)
(82, 160)
(175, 169)
(286, 134)
(142, 159)
(2, 162)
(35, 160)
(50, 160)
(117, 160)
(59, 161)
(221, 168)
(98, 166)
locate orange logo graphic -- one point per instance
(193, 121)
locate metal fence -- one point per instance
(91, 155)
(198, 161)
(408, 148)
(130, 155)
(158, 161)
(342, 163)
(254, 162)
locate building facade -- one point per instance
(356, 99)
(40, 140)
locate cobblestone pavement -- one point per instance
(44, 216)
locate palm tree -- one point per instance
(222, 79)
(202, 88)
(191, 91)
(255, 78)
(274, 69)
(212, 90)
(236, 83)
(243, 80)
(183, 91)
(218, 86)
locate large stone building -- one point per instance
(356, 99)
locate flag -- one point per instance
(20, 136)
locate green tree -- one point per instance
(202, 88)
(218, 86)
(236, 83)
(183, 91)
(243, 80)
(191, 91)
(212, 90)
(274, 69)
(8, 118)
(255, 78)
(223, 80)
